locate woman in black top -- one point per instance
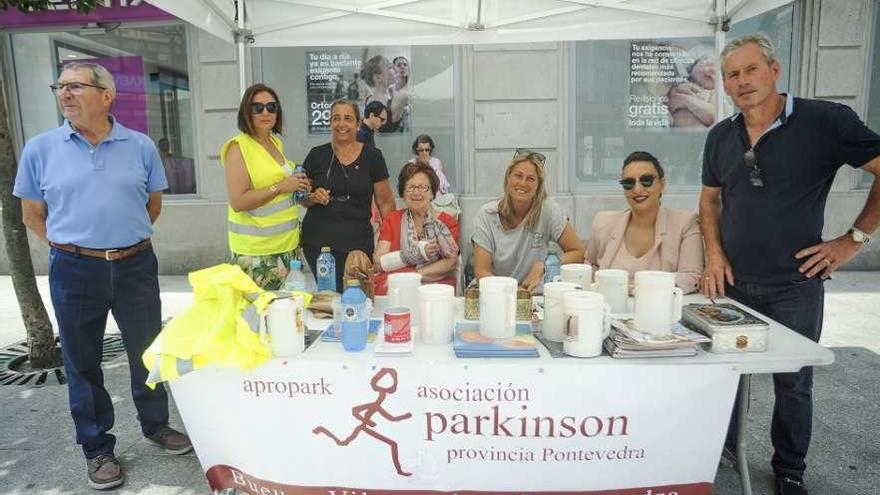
(345, 176)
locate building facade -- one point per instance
(583, 104)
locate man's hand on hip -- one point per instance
(824, 258)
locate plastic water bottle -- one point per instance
(299, 196)
(296, 280)
(355, 320)
(326, 268)
(551, 266)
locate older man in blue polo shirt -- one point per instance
(92, 189)
(766, 175)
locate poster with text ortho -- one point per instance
(360, 75)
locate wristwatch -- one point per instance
(274, 188)
(858, 236)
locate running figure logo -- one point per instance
(365, 412)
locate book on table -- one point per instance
(469, 343)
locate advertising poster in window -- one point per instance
(363, 75)
(672, 84)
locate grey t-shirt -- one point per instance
(515, 251)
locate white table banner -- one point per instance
(387, 426)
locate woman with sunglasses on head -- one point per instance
(647, 236)
(417, 238)
(512, 235)
(263, 217)
(346, 175)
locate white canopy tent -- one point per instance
(268, 23)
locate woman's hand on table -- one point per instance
(534, 278)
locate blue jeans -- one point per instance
(84, 290)
(798, 306)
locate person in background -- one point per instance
(423, 149)
(417, 238)
(375, 114)
(647, 236)
(512, 235)
(346, 175)
(179, 171)
(92, 190)
(263, 219)
(767, 172)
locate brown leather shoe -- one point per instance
(173, 441)
(105, 472)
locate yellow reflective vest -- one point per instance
(222, 326)
(274, 227)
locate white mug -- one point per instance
(587, 323)
(403, 292)
(553, 321)
(658, 302)
(436, 307)
(614, 286)
(284, 324)
(498, 307)
(576, 273)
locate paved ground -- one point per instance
(38, 454)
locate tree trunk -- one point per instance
(40, 336)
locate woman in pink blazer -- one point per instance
(647, 236)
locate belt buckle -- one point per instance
(108, 252)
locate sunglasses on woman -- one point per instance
(629, 183)
(529, 154)
(257, 107)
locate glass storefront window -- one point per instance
(873, 115)
(655, 96)
(150, 68)
(416, 81)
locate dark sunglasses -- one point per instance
(257, 108)
(629, 183)
(528, 155)
(752, 162)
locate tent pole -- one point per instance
(722, 25)
(242, 37)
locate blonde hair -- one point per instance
(505, 207)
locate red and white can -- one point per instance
(397, 325)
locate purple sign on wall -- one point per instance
(130, 106)
(61, 14)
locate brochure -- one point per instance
(469, 343)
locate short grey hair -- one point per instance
(100, 75)
(760, 39)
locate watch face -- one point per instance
(858, 236)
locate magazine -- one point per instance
(469, 343)
(680, 335)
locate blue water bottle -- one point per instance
(326, 268)
(355, 320)
(296, 280)
(299, 196)
(551, 266)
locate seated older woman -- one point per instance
(512, 235)
(647, 236)
(417, 238)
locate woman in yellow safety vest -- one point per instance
(263, 219)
